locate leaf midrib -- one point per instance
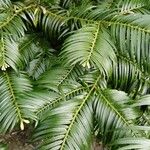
(9, 19)
(51, 103)
(109, 23)
(115, 110)
(77, 112)
(93, 44)
(13, 96)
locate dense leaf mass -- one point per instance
(75, 71)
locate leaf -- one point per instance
(12, 89)
(57, 75)
(129, 7)
(3, 146)
(131, 39)
(65, 127)
(89, 45)
(142, 101)
(52, 23)
(132, 143)
(112, 111)
(13, 25)
(80, 121)
(28, 48)
(128, 77)
(36, 54)
(41, 99)
(4, 4)
(52, 78)
(9, 53)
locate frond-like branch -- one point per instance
(69, 92)
(11, 89)
(36, 54)
(54, 132)
(89, 45)
(4, 4)
(112, 112)
(129, 77)
(75, 119)
(13, 24)
(9, 53)
(129, 7)
(131, 143)
(78, 122)
(12, 27)
(58, 75)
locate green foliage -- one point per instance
(3, 146)
(76, 70)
